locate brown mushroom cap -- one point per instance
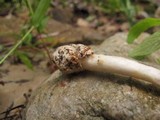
(67, 58)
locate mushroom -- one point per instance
(77, 57)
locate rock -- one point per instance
(62, 14)
(96, 96)
(117, 45)
(83, 23)
(7, 26)
(9, 30)
(71, 34)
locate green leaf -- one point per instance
(42, 24)
(28, 40)
(148, 46)
(1, 47)
(28, 4)
(40, 12)
(24, 59)
(140, 27)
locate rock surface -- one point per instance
(96, 96)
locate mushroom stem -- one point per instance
(77, 57)
(121, 66)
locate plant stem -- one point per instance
(78, 57)
(16, 45)
(29, 7)
(121, 66)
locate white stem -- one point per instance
(122, 66)
(76, 57)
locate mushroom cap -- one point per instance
(68, 57)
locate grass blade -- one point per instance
(16, 45)
(40, 12)
(24, 59)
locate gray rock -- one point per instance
(95, 96)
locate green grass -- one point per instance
(37, 22)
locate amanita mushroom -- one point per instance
(78, 57)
